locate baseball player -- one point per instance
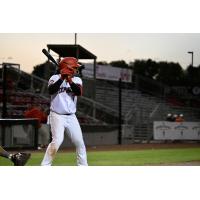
(19, 159)
(38, 113)
(64, 88)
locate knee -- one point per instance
(52, 149)
(57, 142)
(80, 144)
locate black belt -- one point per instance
(61, 114)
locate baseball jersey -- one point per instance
(64, 101)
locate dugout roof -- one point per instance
(76, 51)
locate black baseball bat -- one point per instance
(49, 56)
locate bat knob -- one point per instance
(44, 51)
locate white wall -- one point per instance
(164, 130)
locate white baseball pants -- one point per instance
(58, 125)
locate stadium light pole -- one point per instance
(120, 113)
(75, 38)
(191, 52)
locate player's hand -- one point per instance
(66, 72)
(69, 79)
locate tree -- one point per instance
(193, 75)
(146, 68)
(170, 73)
(102, 63)
(119, 63)
(166, 72)
(44, 70)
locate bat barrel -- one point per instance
(48, 55)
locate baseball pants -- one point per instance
(60, 123)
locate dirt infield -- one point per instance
(191, 163)
(139, 146)
(143, 146)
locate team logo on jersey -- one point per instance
(65, 89)
(51, 82)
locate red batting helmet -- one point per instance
(69, 61)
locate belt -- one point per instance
(62, 114)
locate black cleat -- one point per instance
(20, 159)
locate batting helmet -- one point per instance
(70, 62)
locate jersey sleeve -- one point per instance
(78, 81)
(53, 79)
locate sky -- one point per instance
(25, 48)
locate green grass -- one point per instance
(119, 158)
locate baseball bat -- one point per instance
(49, 56)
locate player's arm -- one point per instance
(54, 87)
(76, 88)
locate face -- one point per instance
(75, 68)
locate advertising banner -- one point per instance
(164, 130)
(108, 72)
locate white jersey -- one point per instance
(64, 101)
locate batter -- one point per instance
(64, 88)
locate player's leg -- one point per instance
(4, 153)
(40, 138)
(75, 133)
(43, 138)
(57, 130)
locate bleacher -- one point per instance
(24, 89)
(140, 105)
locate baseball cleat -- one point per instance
(20, 159)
